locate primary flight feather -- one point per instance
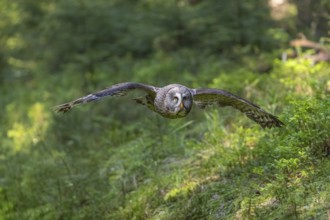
(175, 101)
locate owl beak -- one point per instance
(182, 106)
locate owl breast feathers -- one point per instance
(176, 101)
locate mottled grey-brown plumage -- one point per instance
(175, 101)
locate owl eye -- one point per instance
(176, 99)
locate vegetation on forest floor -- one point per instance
(214, 164)
(112, 160)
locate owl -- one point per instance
(176, 101)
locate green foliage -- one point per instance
(111, 160)
(84, 36)
(81, 167)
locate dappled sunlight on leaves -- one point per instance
(18, 134)
(301, 78)
(25, 133)
(181, 191)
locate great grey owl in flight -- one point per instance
(175, 101)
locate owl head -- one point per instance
(174, 101)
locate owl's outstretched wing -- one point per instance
(120, 89)
(205, 97)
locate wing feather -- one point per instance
(205, 97)
(120, 89)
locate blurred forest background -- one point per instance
(113, 160)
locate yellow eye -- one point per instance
(176, 99)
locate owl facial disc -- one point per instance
(174, 101)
